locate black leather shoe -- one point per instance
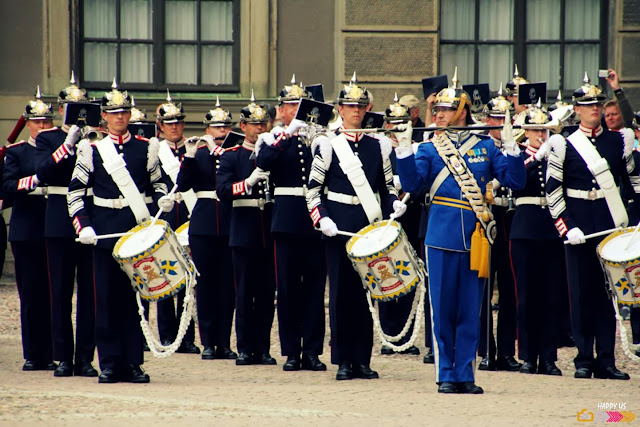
(244, 359)
(448, 388)
(32, 365)
(167, 343)
(487, 365)
(549, 368)
(411, 350)
(108, 376)
(386, 351)
(312, 363)
(208, 353)
(507, 363)
(83, 368)
(263, 359)
(610, 373)
(469, 388)
(225, 353)
(364, 372)
(188, 348)
(528, 368)
(344, 372)
(145, 347)
(292, 364)
(64, 369)
(428, 358)
(136, 375)
(582, 373)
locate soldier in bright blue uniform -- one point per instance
(26, 236)
(68, 260)
(171, 119)
(456, 290)
(350, 320)
(246, 186)
(533, 238)
(580, 205)
(118, 335)
(209, 236)
(299, 250)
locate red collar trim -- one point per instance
(591, 133)
(120, 139)
(175, 145)
(531, 151)
(351, 137)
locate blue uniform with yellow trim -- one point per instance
(69, 261)
(455, 290)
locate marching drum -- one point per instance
(385, 260)
(621, 265)
(155, 261)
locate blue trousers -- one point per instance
(456, 293)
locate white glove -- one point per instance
(267, 138)
(328, 227)
(294, 127)
(506, 135)
(396, 182)
(543, 152)
(88, 236)
(399, 209)
(257, 175)
(72, 137)
(165, 203)
(191, 146)
(575, 236)
(211, 143)
(404, 138)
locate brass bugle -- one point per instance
(547, 126)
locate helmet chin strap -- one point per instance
(464, 99)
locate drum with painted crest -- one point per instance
(621, 265)
(385, 260)
(155, 261)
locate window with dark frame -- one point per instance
(550, 40)
(182, 45)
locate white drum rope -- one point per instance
(188, 313)
(417, 312)
(626, 346)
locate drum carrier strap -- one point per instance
(171, 166)
(600, 170)
(117, 169)
(352, 168)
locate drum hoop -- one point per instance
(379, 252)
(609, 238)
(147, 251)
(400, 292)
(182, 227)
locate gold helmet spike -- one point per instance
(168, 96)
(293, 80)
(217, 101)
(500, 90)
(395, 97)
(454, 81)
(38, 93)
(354, 79)
(515, 72)
(539, 103)
(586, 79)
(253, 98)
(114, 85)
(133, 101)
(73, 78)
(559, 97)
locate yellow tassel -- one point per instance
(476, 248)
(483, 271)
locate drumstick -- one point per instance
(632, 236)
(109, 236)
(393, 216)
(160, 212)
(599, 233)
(345, 233)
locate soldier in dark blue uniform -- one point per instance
(171, 119)
(582, 202)
(26, 236)
(341, 209)
(118, 335)
(502, 210)
(246, 186)
(209, 236)
(457, 208)
(537, 255)
(56, 159)
(299, 251)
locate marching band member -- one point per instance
(67, 260)
(119, 203)
(300, 274)
(26, 236)
(533, 238)
(469, 162)
(209, 236)
(585, 174)
(171, 119)
(240, 182)
(350, 204)
(495, 112)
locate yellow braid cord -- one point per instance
(476, 248)
(483, 272)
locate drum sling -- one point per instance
(171, 166)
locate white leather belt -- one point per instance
(584, 194)
(249, 203)
(115, 203)
(62, 191)
(346, 199)
(501, 201)
(207, 195)
(538, 201)
(38, 191)
(290, 191)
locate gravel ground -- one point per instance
(186, 390)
